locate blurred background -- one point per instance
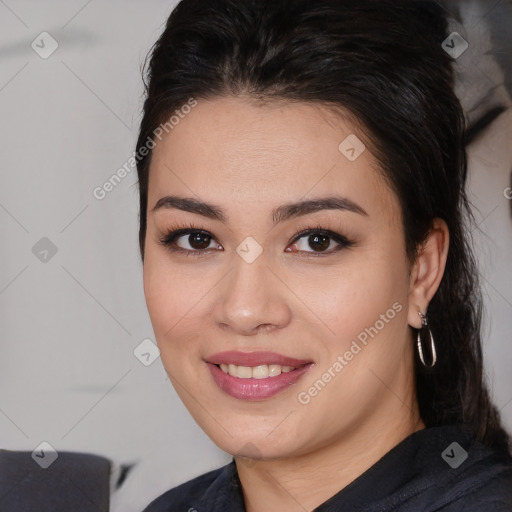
(73, 372)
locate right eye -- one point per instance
(189, 241)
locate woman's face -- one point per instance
(250, 280)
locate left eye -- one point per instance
(319, 242)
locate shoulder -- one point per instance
(480, 492)
(438, 469)
(481, 480)
(487, 487)
(187, 496)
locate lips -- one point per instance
(250, 388)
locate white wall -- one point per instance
(69, 325)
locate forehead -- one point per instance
(238, 151)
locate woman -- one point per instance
(306, 261)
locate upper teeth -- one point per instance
(256, 372)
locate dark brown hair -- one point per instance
(381, 61)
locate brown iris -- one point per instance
(199, 241)
(318, 242)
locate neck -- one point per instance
(304, 482)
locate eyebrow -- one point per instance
(279, 214)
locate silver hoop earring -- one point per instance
(424, 325)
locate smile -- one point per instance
(255, 375)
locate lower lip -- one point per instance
(255, 389)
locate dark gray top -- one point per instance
(435, 469)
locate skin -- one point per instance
(249, 158)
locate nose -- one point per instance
(251, 300)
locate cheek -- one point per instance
(160, 299)
(363, 306)
(348, 298)
(169, 298)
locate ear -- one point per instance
(427, 271)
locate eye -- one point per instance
(189, 241)
(195, 241)
(321, 241)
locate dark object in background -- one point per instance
(484, 83)
(74, 482)
(484, 74)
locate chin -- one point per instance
(254, 442)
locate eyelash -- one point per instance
(177, 231)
